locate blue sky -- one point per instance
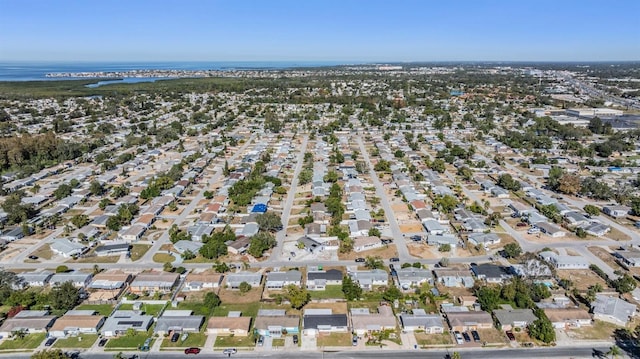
(327, 30)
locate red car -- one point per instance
(192, 351)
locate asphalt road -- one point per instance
(556, 352)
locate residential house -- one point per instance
(114, 249)
(198, 231)
(275, 323)
(76, 323)
(152, 282)
(628, 259)
(472, 320)
(279, 280)
(596, 229)
(180, 321)
(65, 248)
(563, 261)
(519, 209)
(532, 268)
(366, 243)
(567, 318)
(419, 320)
(612, 310)
(576, 219)
(133, 233)
(318, 279)
(239, 246)
(616, 211)
(233, 280)
(433, 227)
(362, 321)
(443, 239)
(314, 324)
(191, 246)
(499, 192)
(112, 279)
(201, 281)
(77, 278)
(366, 279)
(483, 239)
(475, 225)
(454, 277)
(550, 229)
(27, 322)
(413, 277)
(491, 273)
(121, 321)
(34, 279)
(510, 318)
(230, 325)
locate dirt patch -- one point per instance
(234, 296)
(606, 257)
(411, 227)
(423, 251)
(582, 279)
(400, 208)
(336, 307)
(383, 252)
(616, 235)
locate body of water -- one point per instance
(37, 71)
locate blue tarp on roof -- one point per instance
(259, 208)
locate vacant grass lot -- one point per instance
(138, 250)
(163, 258)
(81, 342)
(424, 339)
(30, 341)
(235, 342)
(193, 340)
(150, 309)
(332, 291)
(102, 309)
(598, 331)
(126, 341)
(335, 340)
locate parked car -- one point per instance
(295, 339)
(33, 257)
(510, 335)
(174, 337)
(466, 337)
(416, 238)
(475, 335)
(354, 340)
(229, 351)
(359, 260)
(394, 259)
(103, 342)
(261, 341)
(192, 351)
(459, 338)
(533, 230)
(49, 342)
(521, 224)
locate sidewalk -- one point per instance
(208, 345)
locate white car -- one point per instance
(533, 230)
(459, 338)
(229, 351)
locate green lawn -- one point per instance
(335, 340)
(82, 341)
(278, 343)
(129, 341)
(163, 258)
(194, 340)
(197, 308)
(424, 339)
(235, 342)
(30, 341)
(332, 291)
(248, 309)
(199, 259)
(102, 309)
(150, 309)
(138, 250)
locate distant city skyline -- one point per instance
(316, 31)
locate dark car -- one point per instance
(475, 335)
(33, 257)
(416, 238)
(49, 342)
(175, 337)
(295, 339)
(192, 351)
(359, 260)
(466, 337)
(510, 335)
(103, 342)
(394, 259)
(261, 341)
(521, 224)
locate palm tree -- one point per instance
(614, 351)
(456, 355)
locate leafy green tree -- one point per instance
(592, 210)
(446, 203)
(50, 354)
(208, 194)
(244, 287)
(374, 232)
(507, 182)
(542, 328)
(80, 220)
(96, 188)
(260, 243)
(64, 190)
(373, 262)
(624, 284)
(64, 296)
(331, 177)
(305, 176)
(297, 296)
(488, 297)
(17, 212)
(444, 248)
(392, 293)
(187, 255)
(211, 301)
(221, 267)
(351, 290)
(62, 269)
(269, 221)
(168, 267)
(512, 250)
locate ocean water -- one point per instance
(37, 71)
